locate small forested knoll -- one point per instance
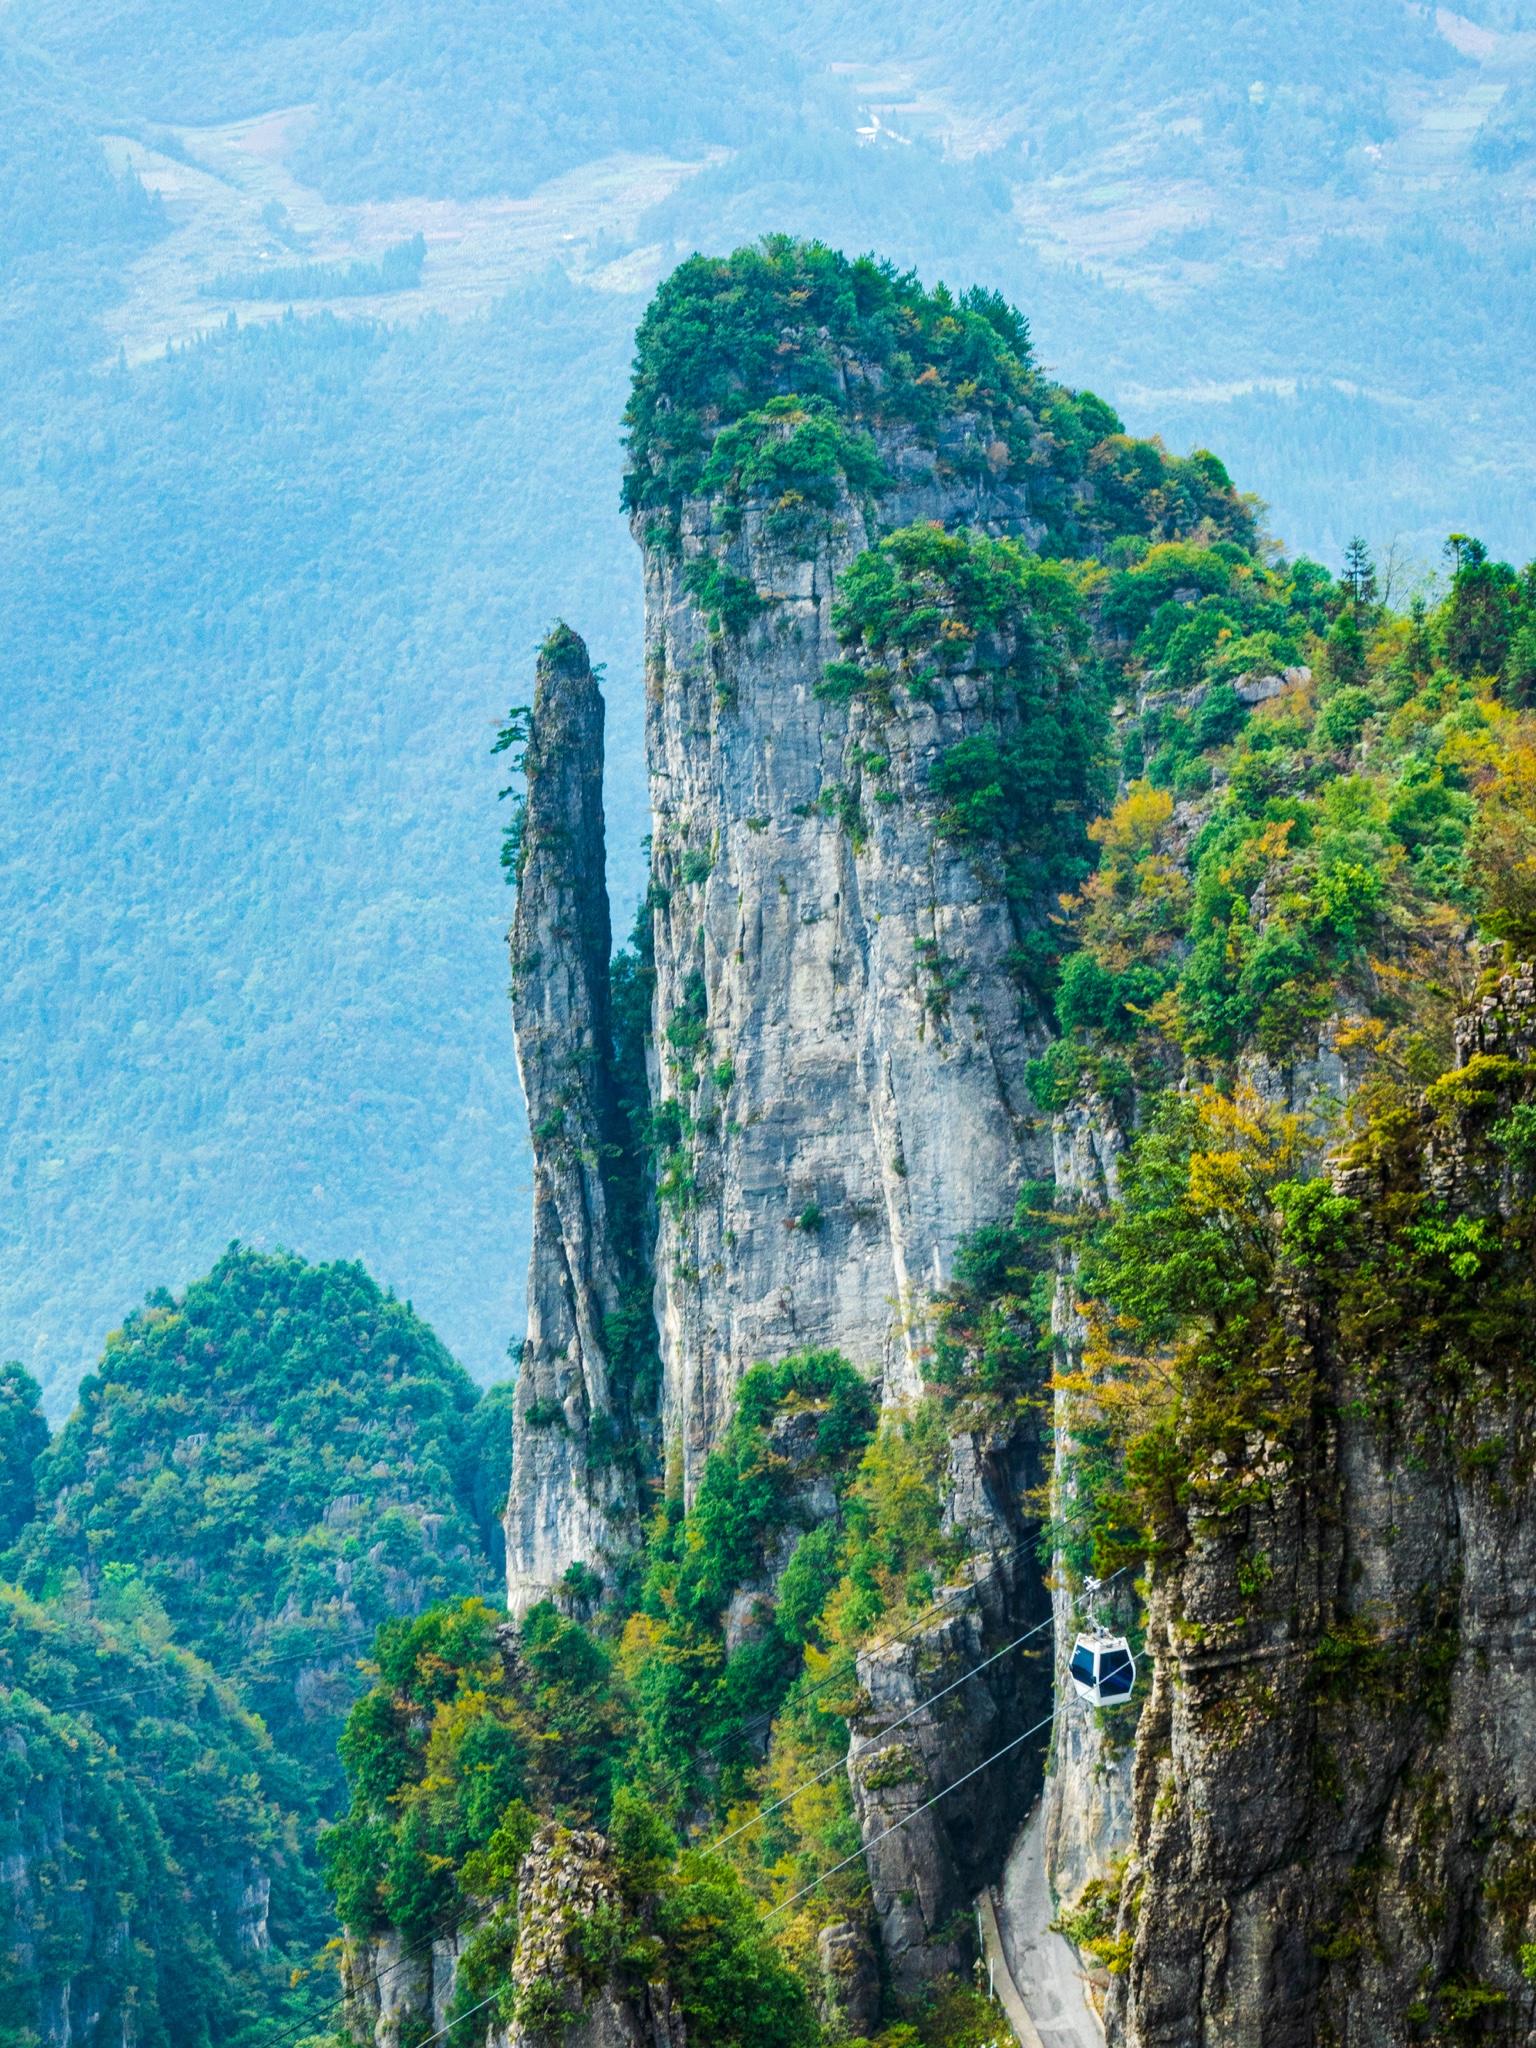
(285, 1455)
(261, 1472)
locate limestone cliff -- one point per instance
(844, 1017)
(398, 1990)
(876, 736)
(571, 1500)
(1088, 1788)
(927, 1866)
(1336, 1772)
(840, 1025)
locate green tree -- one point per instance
(1346, 652)
(23, 1437)
(1359, 577)
(1483, 606)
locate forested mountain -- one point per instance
(264, 1469)
(1090, 1079)
(438, 101)
(270, 583)
(273, 590)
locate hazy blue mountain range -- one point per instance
(264, 596)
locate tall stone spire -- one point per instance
(568, 1504)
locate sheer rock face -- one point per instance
(397, 1990)
(1088, 1794)
(910, 1745)
(1335, 1798)
(832, 970)
(561, 1510)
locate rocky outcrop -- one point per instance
(928, 1726)
(1335, 1812)
(850, 1978)
(398, 1991)
(567, 1892)
(840, 1028)
(571, 1502)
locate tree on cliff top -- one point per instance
(723, 335)
(726, 337)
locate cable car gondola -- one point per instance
(1102, 1669)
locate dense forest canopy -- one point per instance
(262, 1471)
(141, 1798)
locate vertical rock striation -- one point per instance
(571, 1502)
(397, 1990)
(1088, 1791)
(874, 740)
(841, 1032)
(929, 1724)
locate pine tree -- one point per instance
(1359, 577)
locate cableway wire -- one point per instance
(941, 1605)
(867, 1846)
(322, 1653)
(455, 2021)
(312, 2024)
(840, 1763)
(951, 1787)
(427, 1940)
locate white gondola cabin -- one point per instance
(1102, 1669)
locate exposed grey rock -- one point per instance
(565, 1507)
(1258, 689)
(1335, 1799)
(929, 1850)
(1087, 1817)
(396, 1990)
(850, 1978)
(564, 1881)
(840, 970)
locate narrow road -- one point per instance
(1044, 1967)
